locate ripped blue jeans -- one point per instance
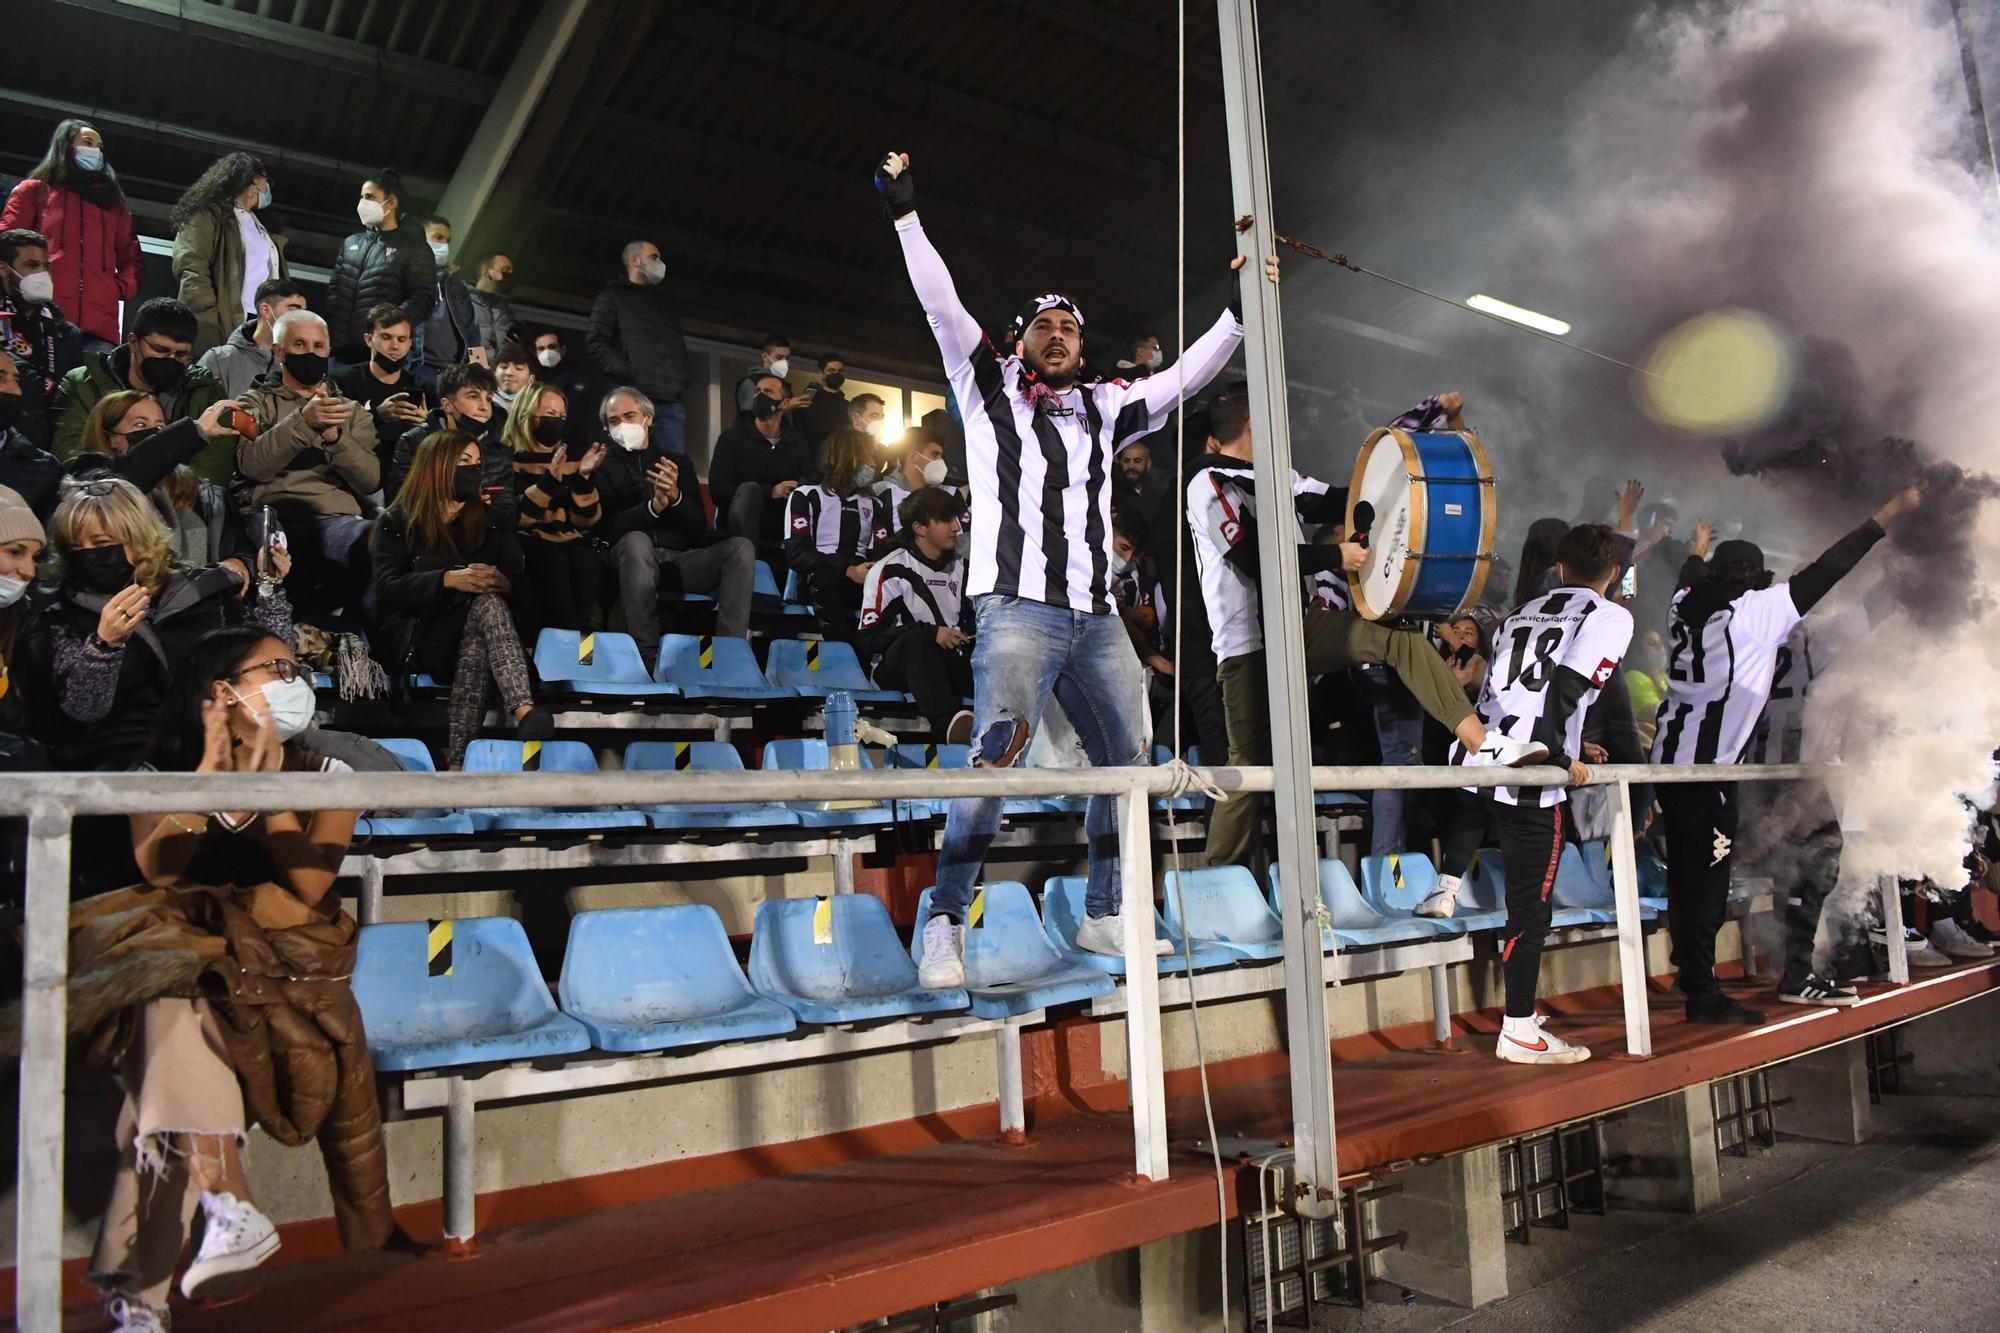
(1023, 653)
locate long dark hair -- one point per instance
(57, 167)
(426, 497)
(229, 176)
(1538, 552)
(178, 734)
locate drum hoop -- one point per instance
(1489, 519)
(1419, 519)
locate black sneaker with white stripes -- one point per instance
(1816, 989)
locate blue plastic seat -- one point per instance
(925, 754)
(1577, 889)
(492, 1006)
(701, 757)
(710, 666)
(1062, 913)
(652, 978)
(1394, 885)
(1010, 967)
(767, 599)
(839, 960)
(1194, 800)
(415, 757)
(595, 664)
(1355, 923)
(815, 668)
(1225, 909)
(494, 756)
(811, 754)
(1652, 873)
(1482, 897)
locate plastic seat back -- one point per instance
(706, 661)
(923, 754)
(1576, 887)
(829, 949)
(459, 981)
(1342, 896)
(1484, 886)
(1395, 884)
(602, 657)
(683, 756)
(412, 754)
(1004, 941)
(817, 667)
(1223, 906)
(650, 965)
(494, 756)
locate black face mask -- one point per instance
(384, 364)
(548, 430)
(10, 411)
(765, 408)
(100, 569)
(466, 481)
(835, 380)
(307, 368)
(162, 374)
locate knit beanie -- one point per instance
(17, 521)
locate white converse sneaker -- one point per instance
(235, 1235)
(943, 967)
(1499, 752)
(1443, 900)
(1106, 935)
(130, 1315)
(1528, 1042)
(1949, 938)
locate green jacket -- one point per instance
(208, 264)
(105, 373)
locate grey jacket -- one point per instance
(494, 314)
(239, 362)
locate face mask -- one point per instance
(385, 364)
(163, 374)
(370, 213)
(307, 368)
(90, 159)
(654, 269)
(10, 411)
(11, 590)
(291, 704)
(549, 357)
(835, 379)
(1119, 565)
(264, 197)
(548, 430)
(864, 476)
(466, 481)
(100, 569)
(441, 249)
(934, 472)
(765, 408)
(629, 435)
(1155, 359)
(781, 367)
(38, 288)
(504, 399)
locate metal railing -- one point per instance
(51, 801)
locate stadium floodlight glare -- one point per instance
(1533, 319)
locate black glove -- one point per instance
(899, 192)
(1236, 292)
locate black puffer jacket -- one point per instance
(374, 266)
(635, 338)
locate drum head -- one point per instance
(1383, 478)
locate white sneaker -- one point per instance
(1443, 900)
(133, 1316)
(1537, 1045)
(1499, 752)
(1916, 948)
(1949, 938)
(943, 967)
(235, 1235)
(1106, 935)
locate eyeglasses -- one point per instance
(100, 488)
(284, 668)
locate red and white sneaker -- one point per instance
(1526, 1041)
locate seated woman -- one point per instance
(127, 435)
(256, 889)
(445, 574)
(832, 528)
(20, 547)
(557, 510)
(127, 615)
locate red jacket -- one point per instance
(93, 252)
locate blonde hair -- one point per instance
(518, 434)
(124, 513)
(107, 416)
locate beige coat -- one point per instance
(289, 464)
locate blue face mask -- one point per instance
(264, 197)
(11, 590)
(864, 476)
(90, 159)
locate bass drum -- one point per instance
(1430, 520)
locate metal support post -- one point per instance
(1892, 924)
(1013, 1114)
(461, 1182)
(1441, 1003)
(38, 1201)
(1631, 941)
(368, 906)
(843, 866)
(1143, 1055)
(1318, 1173)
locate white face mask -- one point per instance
(1119, 564)
(370, 213)
(38, 288)
(629, 435)
(11, 590)
(1155, 359)
(781, 367)
(934, 472)
(441, 249)
(291, 704)
(549, 357)
(654, 269)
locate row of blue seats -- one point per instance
(443, 994)
(701, 666)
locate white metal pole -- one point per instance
(1892, 924)
(1143, 1058)
(1631, 939)
(1441, 1003)
(461, 1166)
(368, 906)
(1013, 1111)
(38, 1200)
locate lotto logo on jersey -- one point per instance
(1232, 531)
(1603, 672)
(800, 523)
(881, 535)
(868, 618)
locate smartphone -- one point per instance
(1629, 585)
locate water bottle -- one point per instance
(842, 754)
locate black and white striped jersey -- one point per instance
(1720, 673)
(1039, 461)
(1779, 737)
(1523, 697)
(904, 589)
(1222, 514)
(819, 522)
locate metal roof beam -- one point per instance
(276, 37)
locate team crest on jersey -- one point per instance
(800, 524)
(1603, 672)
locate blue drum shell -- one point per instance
(1457, 545)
